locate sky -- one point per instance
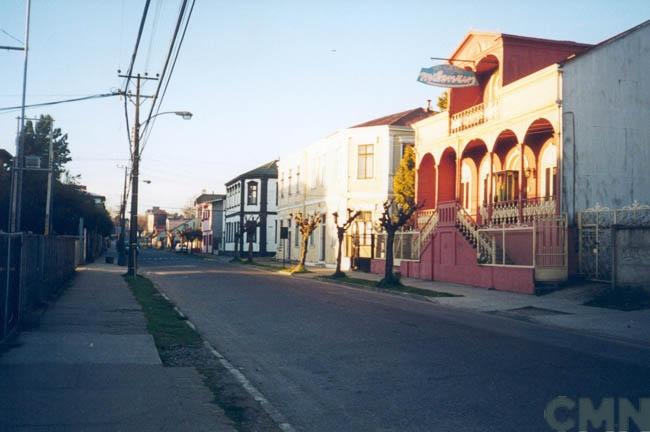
(262, 78)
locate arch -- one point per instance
(447, 176)
(426, 192)
(484, 175)
(487, 73)
(505, 141)
(468, 182)
(547, 169)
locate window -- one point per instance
(298, 181)
(297, 236)
(289, 193)
(282, 185)
(252, 193)
(365, 161)
(275, 231)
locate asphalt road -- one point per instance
(332, 358)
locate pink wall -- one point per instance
(450, 258)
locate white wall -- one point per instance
(606, 125)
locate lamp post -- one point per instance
(133, 228)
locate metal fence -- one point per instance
(32, 267)
(595, 249)
(406, 245)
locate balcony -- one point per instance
(466, 119)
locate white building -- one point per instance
(252, 196)
(352, 168)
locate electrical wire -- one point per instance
(165, 77)
(84, 98)
(154, 30)
(178, 49)
(143, 19)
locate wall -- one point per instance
(606, 95)
(631, 251)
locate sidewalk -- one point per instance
(563, 308)
(91, 365)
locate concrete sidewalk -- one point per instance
(563, 308)
(91, 365)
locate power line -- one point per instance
(143, 19)
(148, 128)
(163, 76)
(10, 35)
(84, 98)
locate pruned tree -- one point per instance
(250, 228)
(393, 218)
(236, 255)
(340, 234)
(306, 225)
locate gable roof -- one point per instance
(205, 197)
(268, 170)
(404, 118)
(609, 40)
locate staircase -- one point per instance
(488, 252)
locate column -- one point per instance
(490, 196)
(520, 201)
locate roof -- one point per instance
(404, 118)
(5, 155)
(204, 197)
(610, 40)
(268, 170)
(497, 35)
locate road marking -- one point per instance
(277, 417)
(190, 324)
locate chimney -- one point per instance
(428, 105)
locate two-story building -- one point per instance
(252, 196)
(352, 168)
(552, 128)
(209, 210)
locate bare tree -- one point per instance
(250, 228)
(340, 234)
(236, 256)
(306, 224)
(392, 219)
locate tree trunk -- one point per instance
(250, 251)
(389, 276)
(338, 272)
(303, 250)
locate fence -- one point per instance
(32, 267)
(595, 225)
(406, 246)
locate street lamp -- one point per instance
(133, 229)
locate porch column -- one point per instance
(458, 176)
(490, 191)
(557, 193)
(436, 189)
(520, 201)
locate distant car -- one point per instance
(180, 248)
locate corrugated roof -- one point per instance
(404, 118)
(268, 170)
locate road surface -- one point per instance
(333, 358)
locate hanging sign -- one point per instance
(446, 75)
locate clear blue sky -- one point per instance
(260, 77)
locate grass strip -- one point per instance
(365, 283)
(168, 329)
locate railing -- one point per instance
(467, 118)
(507, 212)
(423, 217)
(406, 246)
(485, 251)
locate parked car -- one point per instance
(180, 248)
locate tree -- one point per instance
(340, 234)
(236, 257)
(404, 180)
(36, 140)
(443, 101)
(250, 228)
(393, 218)
(306, 225)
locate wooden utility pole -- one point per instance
(135, 171)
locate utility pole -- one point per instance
(135, 171)
(17, 171)
(121, 258)
(50, 174)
